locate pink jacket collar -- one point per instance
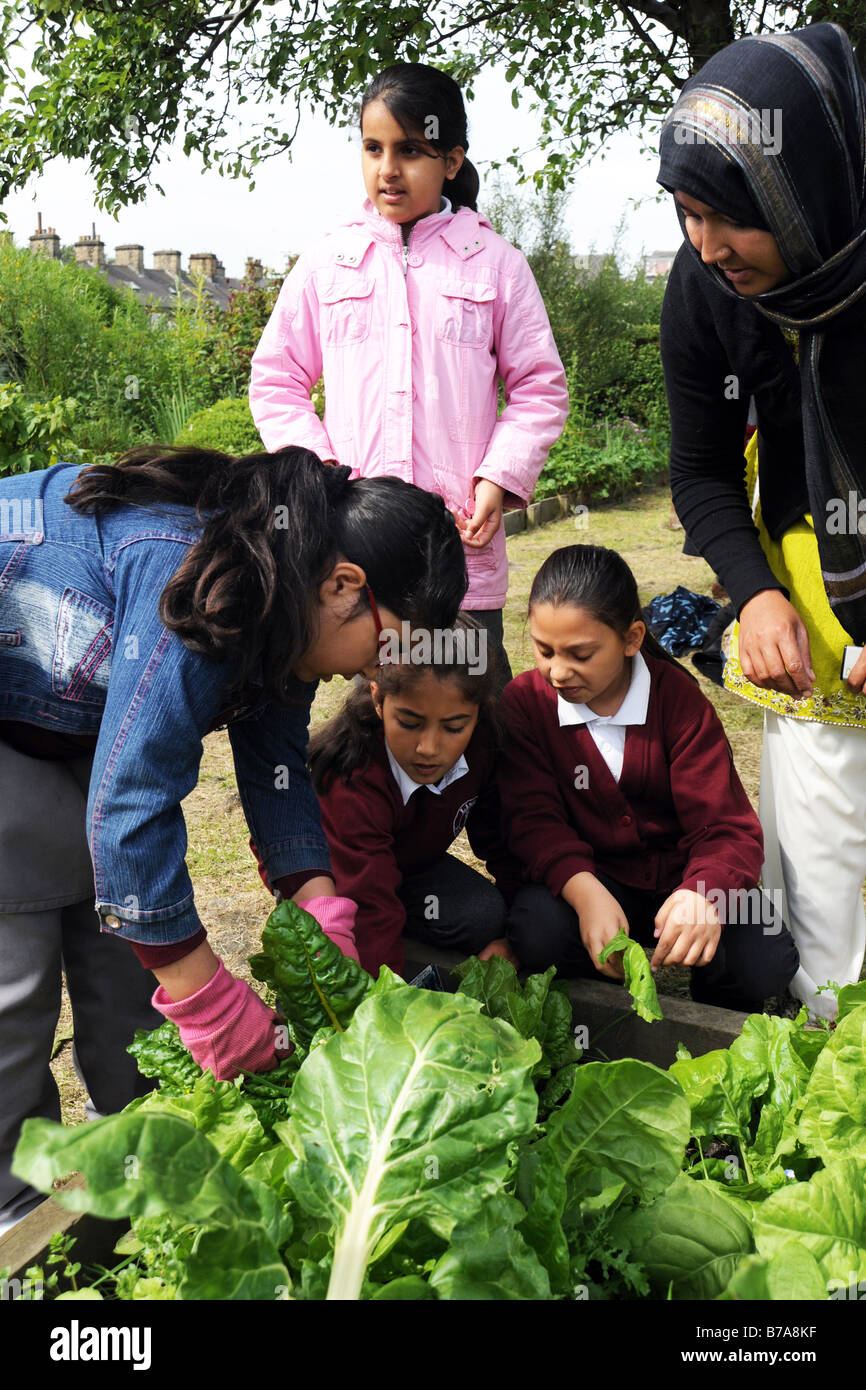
(463, 230)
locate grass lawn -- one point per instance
(230, 897)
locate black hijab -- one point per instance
(772, 133)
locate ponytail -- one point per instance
(462, 190)
(414, 93)
(270, 529)
(345, 744)
(600, 581)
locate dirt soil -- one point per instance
(230, 897)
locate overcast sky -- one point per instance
(295, 202)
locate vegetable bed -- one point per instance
(424, 1145)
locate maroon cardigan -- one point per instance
(375, 840)
(678, 815)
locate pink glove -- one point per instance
(225, 1026)
(336, 917)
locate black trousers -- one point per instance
(491, 619)
(755, 958)
(453, 907)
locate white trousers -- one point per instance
(813, 813)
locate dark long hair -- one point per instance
(347, 742)
(272, 527)
(415, 92)
(599, 580)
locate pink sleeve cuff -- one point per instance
(224, 1025)
(336, 917)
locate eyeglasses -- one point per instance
(376, 619)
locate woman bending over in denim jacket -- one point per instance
(142, 606)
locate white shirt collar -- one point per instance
(407, 786)
(632, 710)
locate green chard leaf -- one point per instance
(791, 1275)
(489, 1259)
(154, 1165)
(490, 982)
(720, 1090)
(833, 1116)
(638, 976)
(161, 1053)
(627, 1118)
(850, 998)
(219, 1110)
(826, 1215)
(410, 1112)
(316, 985)
(691, 1240)
(539, 1009)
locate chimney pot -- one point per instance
(203, 263)
(45, 243)
(168, 261)
(131, 255)
(90, 250)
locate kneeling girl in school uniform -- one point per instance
(621, 799)
(404, 766)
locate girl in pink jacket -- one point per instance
(413, 311)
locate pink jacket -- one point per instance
(411, 341)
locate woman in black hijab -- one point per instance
(765, 154)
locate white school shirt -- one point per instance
(608, 730)
(407, 786)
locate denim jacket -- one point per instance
(83, 650)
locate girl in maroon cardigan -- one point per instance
(404, 766)
(620, 797)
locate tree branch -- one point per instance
(224, 35)
(648, 40)
(666, 15)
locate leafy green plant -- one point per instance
(34, 434)
(408, 1160)
(601, 460)
(172, 413)
(539, 1009)
(638, 976)
(227, 425)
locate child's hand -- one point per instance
(486, 520)
(499, 947)
(688, 929)
(600, 917)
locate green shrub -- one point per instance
(605, 323)
(237, 331)
(34, 434)
(602, 461)
(227, 426)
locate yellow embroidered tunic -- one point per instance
(795, 563)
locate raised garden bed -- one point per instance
(435, 1145)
